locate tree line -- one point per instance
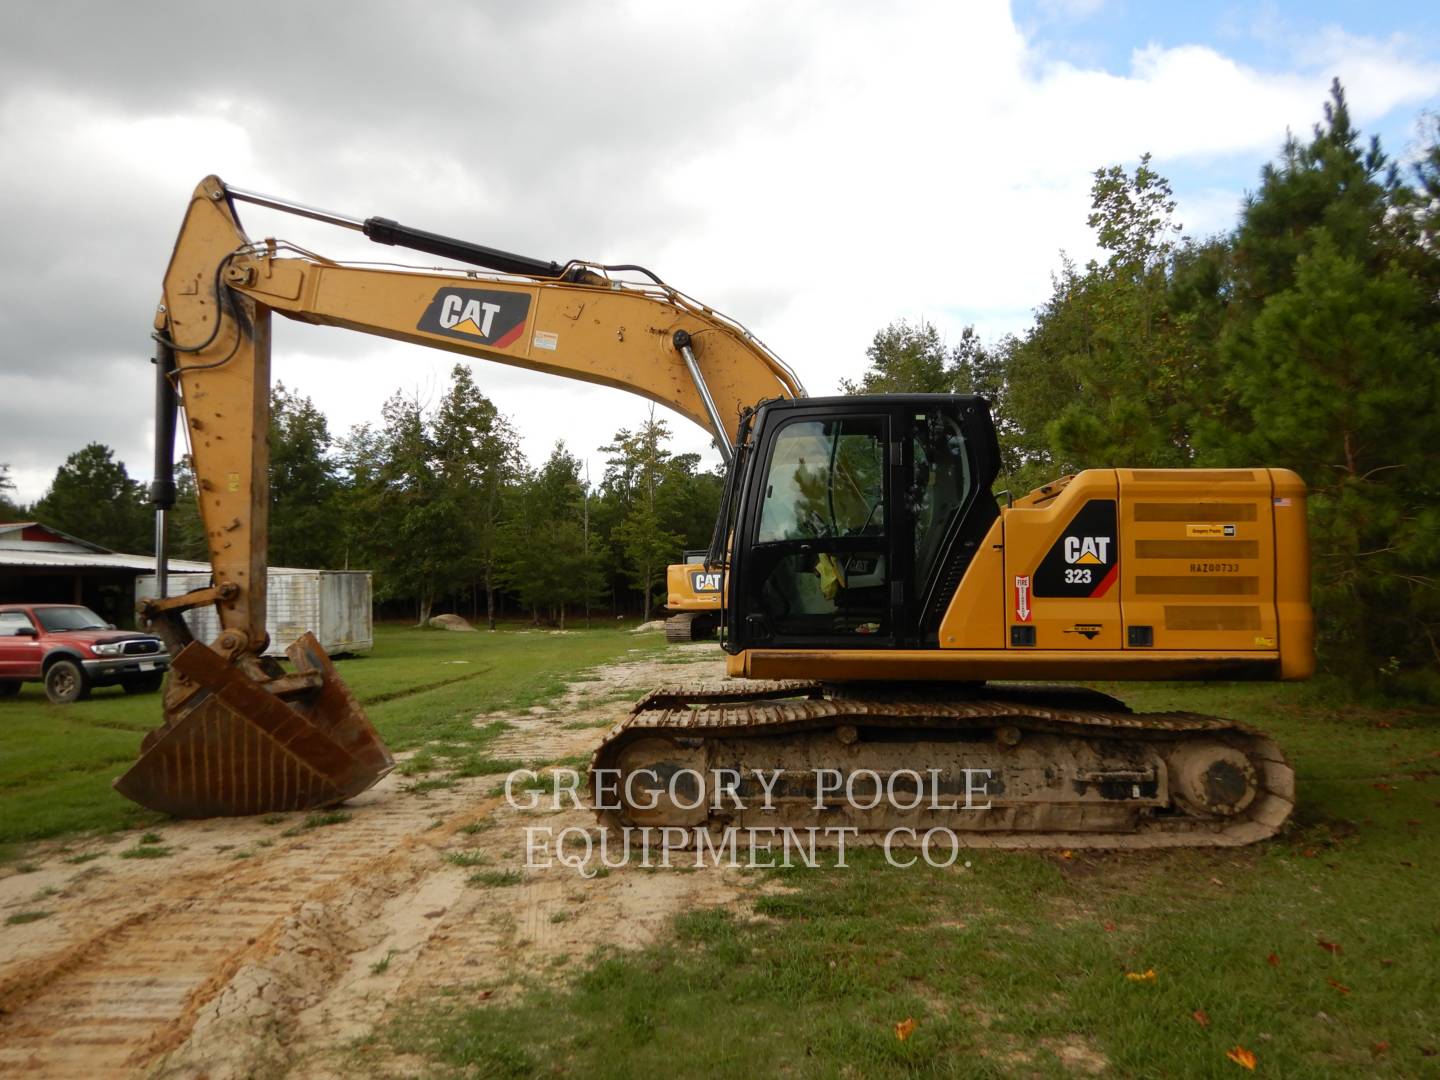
(439, 502)
(1305, 337)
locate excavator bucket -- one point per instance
(250, 739)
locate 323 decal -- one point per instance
(1085, 560)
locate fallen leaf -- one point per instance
(1201, 1017)
(905, 1028)
(1412, 821)
(1380, 1048)
(1273, 960)
(1383, 724)
(484, 994)
(1309, 853)
(1148, 975)
(1242, 1057)
(1383, 787)
(1328, 946)
(1339, 986)
(433, 914)
(1428, 1051)
(1386, 962)
(1217, 881)
(1109, 927)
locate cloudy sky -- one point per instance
(815, 170)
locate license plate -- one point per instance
(146, 665)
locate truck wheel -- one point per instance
(9, 688)
(145, 684)
(65, 682)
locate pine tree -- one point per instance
(9, 510)
(478, 456)
(546, 556)
(303, 484)
(1331, 354)
(406, 523)
(644, 536)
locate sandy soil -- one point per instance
(246, 951)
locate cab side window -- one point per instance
(826, 479)
(941, 486)
(12, 622)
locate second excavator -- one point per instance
(891, 615)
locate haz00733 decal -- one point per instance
(1085, 560)
(481, 316)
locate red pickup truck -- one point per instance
(71, 649)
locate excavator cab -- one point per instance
(856, 517)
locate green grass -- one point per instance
(496, 878)
(147, 851)
(57, 762)
(1010, 964)
(383, 964)
(21, 917)
(466, 858)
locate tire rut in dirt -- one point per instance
(109, 1004)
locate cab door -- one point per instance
(20, 649)
(816, 562)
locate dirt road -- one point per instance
(261, 946)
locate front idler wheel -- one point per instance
(1212, 780)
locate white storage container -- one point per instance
(333, 604)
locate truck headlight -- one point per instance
(114, 648)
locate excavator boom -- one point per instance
(242, 736)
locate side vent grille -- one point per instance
(1194, 476)
(1197, 586)
(1195, 511)
(1197, 549)
(1212, 617)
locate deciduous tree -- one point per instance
(92, 497)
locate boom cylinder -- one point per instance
(162, 486)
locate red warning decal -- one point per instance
(1023, 611)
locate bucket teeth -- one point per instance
(234, 745)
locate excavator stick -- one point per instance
(241, 735)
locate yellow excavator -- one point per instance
(887, 619)
(694, 591)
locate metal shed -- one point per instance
(333, 604)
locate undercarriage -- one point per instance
(1000, 766)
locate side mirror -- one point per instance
(109, 626)
(27, 631)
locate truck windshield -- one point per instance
(55, 619)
